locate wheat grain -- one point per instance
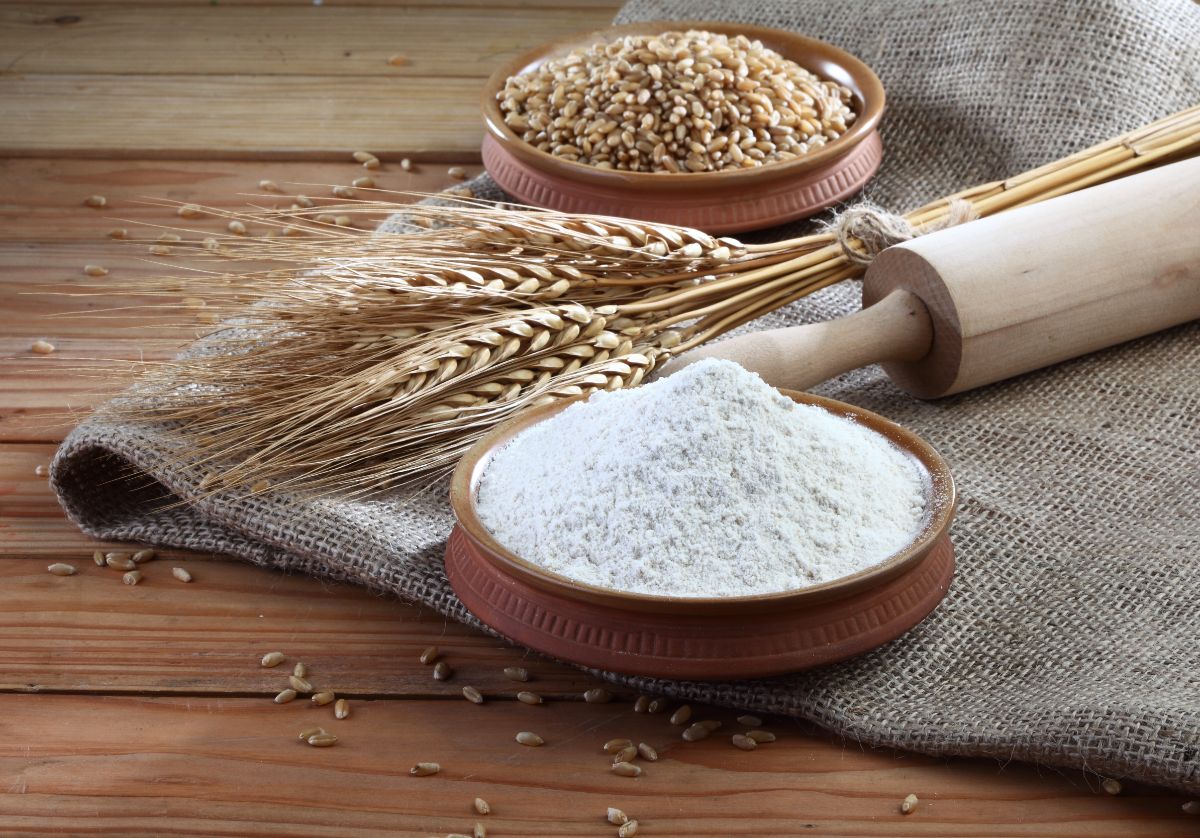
(341, 709)
(615, 816)
(181, 574)
(272, 659)
(626, 769)
(628, 829)
(429, 655)
(95, 201)
(909, 804)
(41, 347)
(132, 577)
(425, 769)
(531, 739)
(61, 569)
(95, 270)
(481, 806)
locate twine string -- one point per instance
(865, 230)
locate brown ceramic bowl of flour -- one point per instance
(701, 637)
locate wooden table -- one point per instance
(143, 710)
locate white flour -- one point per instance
(705, 483)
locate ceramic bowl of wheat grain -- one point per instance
(724, 127)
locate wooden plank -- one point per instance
(47, 236)
(91, 632)
(221, 766)
(290, 40)
(41, 200)
(213, 117)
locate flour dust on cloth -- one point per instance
(1070, 636)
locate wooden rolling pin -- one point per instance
(1004, 295)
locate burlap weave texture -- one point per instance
(1071, 635)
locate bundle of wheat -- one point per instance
(358, 363)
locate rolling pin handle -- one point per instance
(897, 328)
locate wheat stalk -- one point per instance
(357, 363)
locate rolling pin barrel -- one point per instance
(1034, 286)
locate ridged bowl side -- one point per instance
(719, 212)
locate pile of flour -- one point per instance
(706, 483)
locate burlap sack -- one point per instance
(1071, 635)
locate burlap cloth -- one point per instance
(1071, 636)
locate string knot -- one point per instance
(866, 229)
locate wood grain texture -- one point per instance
(41, 199)
(227, 766)
(205, 117)
(47, 235)
(299, 39)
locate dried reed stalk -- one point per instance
(358, 363)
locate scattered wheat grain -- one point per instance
(190, 211)
(300, 670)
(98, 558)
(909, 804)
(429, 655)
(181, 574)
(406, 164)
(761, 736)
(442, 671)
(342, 220)
(527, 697)
(366, 182)
(300, 685)
(613, 746)
(236, 227)
(657, 705)
(597, 695)
(145, 555)
(695, 733)
(526, 737)
(62, 569)
(681, 716)
(95, 270)
(744, 742)
(424, 769)
(285, 696)
(472, 695)
(120, 561)
(628, 830)
(1110, 786)
(95, 201)
(159, 250)
(457, 172)
(642, 704)
(118, 233)
(41, 347)
(646, 752)
(482, 807)
(626, 769)
(132, 577)
(322, 740)
(343, 192)
(341, 709)
(615, 816)
(516, 673)
(304, 201)
(627, 754)
(310, 731)
(271, 659)
(322, 698)
(480, 831)
(269, 186)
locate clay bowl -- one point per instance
(716, 202)
(700, 638)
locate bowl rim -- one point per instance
(870, 90)
(942, 495)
